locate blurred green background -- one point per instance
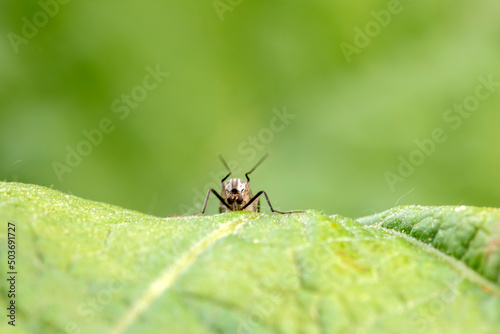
(233, 65)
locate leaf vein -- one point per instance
(170, 275)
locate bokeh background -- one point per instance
(233, 65)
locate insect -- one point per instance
(236, 194)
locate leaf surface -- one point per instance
(88, 267)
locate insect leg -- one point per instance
(268, 202)
(206, 201)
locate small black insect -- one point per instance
(237, 196)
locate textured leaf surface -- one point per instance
(87, 267)
(469, 234)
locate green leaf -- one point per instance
(469, 234)
(87, 267)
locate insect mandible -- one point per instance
(236, 194)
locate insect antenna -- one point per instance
(227, 167)
(257, 165)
